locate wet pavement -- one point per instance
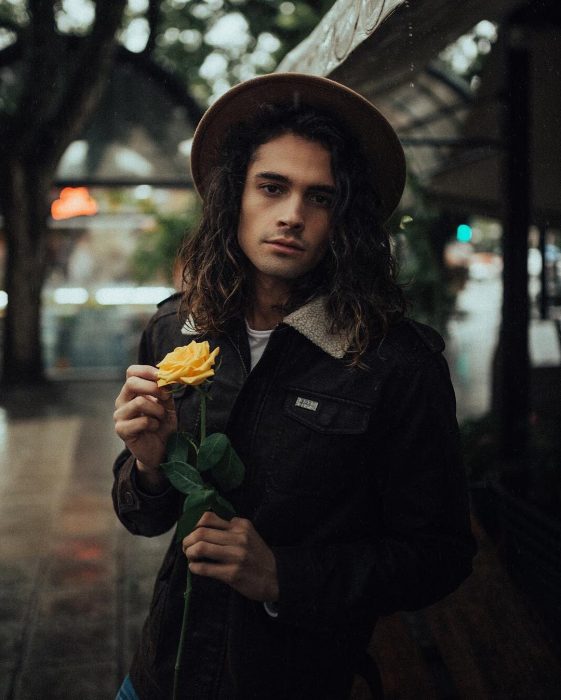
(75, 585)
(472, 339)
(471, 342)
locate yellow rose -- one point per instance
(190, 364)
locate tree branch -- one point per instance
(153, 16)
(10, 24)
(85, 87)
(11, 54)
(41, 55)
(171, 83)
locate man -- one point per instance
(354, 503)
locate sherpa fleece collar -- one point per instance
(312, 321)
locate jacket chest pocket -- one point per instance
(321, 444)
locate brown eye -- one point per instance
(271, 189)
(322, 200)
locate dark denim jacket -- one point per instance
(353, 478)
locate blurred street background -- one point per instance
(98, 104)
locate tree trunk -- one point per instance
(24, 202)
(34, 137)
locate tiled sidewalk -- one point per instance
(75, 586)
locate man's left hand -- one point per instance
(233, 552)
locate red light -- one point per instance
(73, 201)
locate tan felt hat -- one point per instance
(377, 139)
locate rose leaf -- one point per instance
(183, 476)
(196, 503)
(223, 508)
(181, 448)
(212, 451)
(229, 472)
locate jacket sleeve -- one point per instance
(142, 513)
(424, 547)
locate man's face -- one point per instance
(286, 208)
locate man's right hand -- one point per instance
(144, 419)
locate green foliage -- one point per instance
(157, 248)
(183, 476)
(179, 36)
(180, 447)
(217, 455)
(217, 460)
(184, 34)
(213, 451)
(426, 282)
(183, 42)
(196, 504)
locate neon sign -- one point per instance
(73, 201)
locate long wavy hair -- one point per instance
(357, 275)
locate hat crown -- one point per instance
(374, 134)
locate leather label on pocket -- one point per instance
(306, 403)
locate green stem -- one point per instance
(187, 595)
(179, 658)
(203, 416)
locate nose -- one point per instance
(291, 214)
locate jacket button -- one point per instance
(128, 498)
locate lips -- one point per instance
(288, 244)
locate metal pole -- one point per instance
(544, 299)
(515, 370)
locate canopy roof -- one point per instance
(473, 177)
(387, 49)
(374, 45)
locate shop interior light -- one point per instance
(70, 295)
(3, 299)
(132, 295)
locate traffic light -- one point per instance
(464, 233)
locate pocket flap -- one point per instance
(326, 414)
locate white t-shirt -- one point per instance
(257, 343)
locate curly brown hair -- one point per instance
(358, 272)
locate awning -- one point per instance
(377, 45)
(388, 52)
(473, 177)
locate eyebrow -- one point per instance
(277, 177)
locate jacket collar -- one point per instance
(312, 321)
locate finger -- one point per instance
(130, 429)
(241, 524)
(163, 396)
(210, 519)
(140, 406)
(205, 551)
(213, 536)
(135, 387)
(227, 573)
(140, 386)
(143, 371)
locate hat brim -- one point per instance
(377, 139)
